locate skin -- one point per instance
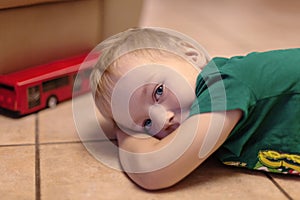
(161, 99)
(159, 110)
(148, 160)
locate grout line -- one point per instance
(278, 186)
(37, 160)
(16, 145)
(75, 142)
(53, 143)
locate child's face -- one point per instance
(153, 97)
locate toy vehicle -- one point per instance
(42, 86)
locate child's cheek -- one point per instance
(182, 92)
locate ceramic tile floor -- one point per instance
(42, 157)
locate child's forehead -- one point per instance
(152, 55)
(138, 58)
(153, 69)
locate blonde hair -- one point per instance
(105, 72)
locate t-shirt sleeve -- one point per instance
(266, 87)
(217, 90)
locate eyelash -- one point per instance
(147, 125)
(159, 89)
(158, 92)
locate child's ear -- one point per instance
(196, 56)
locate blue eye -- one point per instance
(147, 124)
(159, 92)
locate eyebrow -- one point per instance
(145, 91)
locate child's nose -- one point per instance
(158, 113)
(160, 116)
(169, 117)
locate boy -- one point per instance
(170, 107)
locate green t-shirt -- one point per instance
(266, 87)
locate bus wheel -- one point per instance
(52, 102)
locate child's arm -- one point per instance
(150, 156)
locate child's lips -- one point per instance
(172, 127)
(165, 132)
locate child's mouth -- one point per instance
(165, 132)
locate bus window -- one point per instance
(6, 87)
(34, 96)
(81, 80)
(87, 72)
(77, 82)
(55, 83)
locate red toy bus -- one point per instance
(42, 86)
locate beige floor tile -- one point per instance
(213, 180)
(182, 16)
(57, 124)
(86, 117)
(230, 27)
(60, 125)
(289, 184)
(17, 180)
(69, 172)
(17, 131)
